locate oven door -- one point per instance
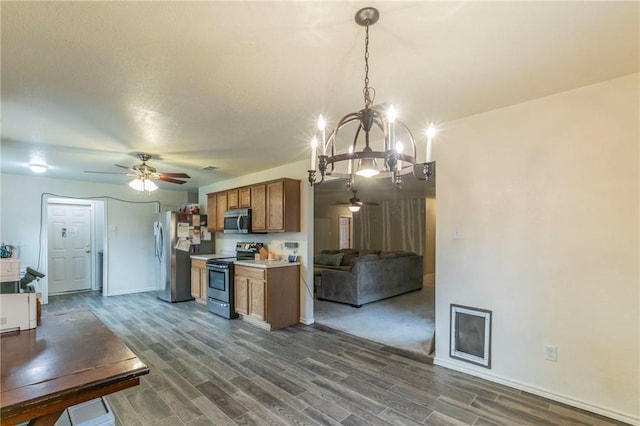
(219, 282)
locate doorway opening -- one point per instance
(392, 221)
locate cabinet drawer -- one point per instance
(198, 263)
(252, 273)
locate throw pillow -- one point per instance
(328, 259)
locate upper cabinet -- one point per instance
(216, 206)
(211, 213)
(259, 208)
(275, 206)
(283, 206)
(245, 197)
(232, 199)
(221, 207)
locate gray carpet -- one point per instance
(405, 321)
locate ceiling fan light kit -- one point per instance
(354, 202)
(394, 134)
(142, 184)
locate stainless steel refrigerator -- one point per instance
(177, 237)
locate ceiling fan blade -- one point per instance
(171, 180)
(370, 204)
(106, 173)
(125, 167)
(177, 175)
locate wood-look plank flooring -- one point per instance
(206, 370)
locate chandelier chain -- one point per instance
(369, 92)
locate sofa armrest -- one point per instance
(338, 286)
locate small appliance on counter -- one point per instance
(220, 279)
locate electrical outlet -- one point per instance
(550, 353)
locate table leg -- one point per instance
(46, 420)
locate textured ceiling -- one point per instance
(238, 85)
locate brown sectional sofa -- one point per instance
(357, 277)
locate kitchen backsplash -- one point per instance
(226, 244)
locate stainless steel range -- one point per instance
(220, 278)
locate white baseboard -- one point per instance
(307, 321)
(540, 392)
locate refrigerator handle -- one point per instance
(160, 242)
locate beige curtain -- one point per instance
(394, 225)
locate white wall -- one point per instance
(129, 260)
(545, 197)
(225, 243)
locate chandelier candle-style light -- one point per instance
(389, 158)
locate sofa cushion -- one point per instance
(329, 251)
(349, 256)
(328, 259)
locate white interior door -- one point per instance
(69, 237)
(345, 232)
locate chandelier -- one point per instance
(389, 158)
(143, 184)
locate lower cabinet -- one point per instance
(268, 298)
(199, 280)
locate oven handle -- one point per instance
(221, 268)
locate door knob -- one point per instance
(87, 249)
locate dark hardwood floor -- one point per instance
(206, 370)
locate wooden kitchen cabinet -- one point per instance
(241, 294)
(276, 206)
(199, 280)
(259, 208)
(221, 207)
(268, 298)
(283, 206)
(232, 199)
(244, 195)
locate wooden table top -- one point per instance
(71, 358)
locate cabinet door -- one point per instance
(245, 197)
(203, 283)
(232, 199)
(241, 293)
(257, 292)
(275, 206)
(258, 208)
(196, 281)
(212, 225)
(221, 207)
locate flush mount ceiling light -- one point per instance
(392, 135)
(143, 184)
(38, 168)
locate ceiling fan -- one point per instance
(144, 173)
(354, 202)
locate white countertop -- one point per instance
(265, 264)
(211, 256)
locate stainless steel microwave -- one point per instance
(237, 221)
